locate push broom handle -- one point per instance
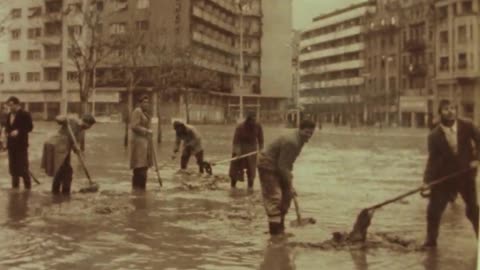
(235, 158)
(79, 155)
(421, 188)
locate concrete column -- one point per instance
(27, 106)
(258, 108)
(400, 118)
(155, 106)
(412, 120)
(476, 103)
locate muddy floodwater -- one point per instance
(199, 223)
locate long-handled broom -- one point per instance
(359, 232)
(93, 187)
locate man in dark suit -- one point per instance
(452, 148)
(19, 124)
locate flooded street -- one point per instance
(194, 223)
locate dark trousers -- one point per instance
(62, 180)
(18, 166)
(187, 152)
(139, 178)
(439, 198)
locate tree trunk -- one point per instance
(187, 109)
(129, 109)
(159, 116)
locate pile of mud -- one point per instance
(340, 241)
(195, 181)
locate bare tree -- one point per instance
(87, 46)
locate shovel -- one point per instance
(300, 221)
(208, 165)
(34, 178)
(93, 187)
(364, 218)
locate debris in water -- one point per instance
(359, 232)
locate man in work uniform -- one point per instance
(56, 151)
(192, 144)
(451, 149)
(248, 138)
(19, 124)
(275, 167)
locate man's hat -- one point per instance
(89, 119)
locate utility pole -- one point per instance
(387, 89)
(63, 61)
(241, 75)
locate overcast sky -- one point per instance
(305, 10)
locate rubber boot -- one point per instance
(275, 228)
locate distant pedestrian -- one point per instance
(19, 124)
(141, 157)
(57, 149)
(248, 138)
(4, 110)
(275, 167)
(192, 144)
(451, 148)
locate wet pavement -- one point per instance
(196, 222)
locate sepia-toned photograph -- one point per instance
(239, 134)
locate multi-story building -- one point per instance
(239, 44)
(399, 68)
(331, 64)
(457, 60)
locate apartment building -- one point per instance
(245, 61)
(457, 60)
(332, 52)
(399, 63)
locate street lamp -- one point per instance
(386, 60)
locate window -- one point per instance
(52, 74)
(33, 54)
(52, 51)
(34, 12)
(117, 28)
(15, 76)
(16, 13)
(34, 33)
(467, 7)
(100, 5)
(15, 55)
(72, 76)
(53, 28)
(462, 34)
(16, 33)
(444, 37)
(142, 25)
(75, 30)
(120, 5)
(33, 76)
(143, 4)
(2, 78)
(462, 61)
(444, 63)
(53, 6)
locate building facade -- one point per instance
(332, 63)
(237, 43)
(458, 55)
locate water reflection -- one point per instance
(431, 260)
(278, 256)
(359, 258)
(17, 207)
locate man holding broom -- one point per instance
(453, 147)
(57, 149)
(275, 166)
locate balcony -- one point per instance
(355, 81)
(51, 63)
(415, 45)
(332, 51)
(352, 64)
(225, 5)
(205, 16)
(352, 31)
(416, 70)
(213, 66)
(50, 85)
(466, 74)
(211, 42)
(51, 39)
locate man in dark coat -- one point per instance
(56, 151)
(19, 124)
(248, 137)
(451, 149)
